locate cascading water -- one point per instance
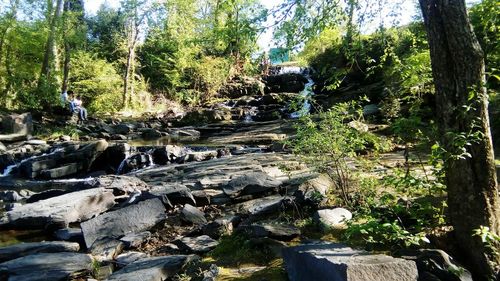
(304, 94)
(8, 170)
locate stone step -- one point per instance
(331, 261)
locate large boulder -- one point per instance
(152, 269)
(333, 218)
(285, 83)
(15, 127)
(250, 183)
(66, 160)
(135, 218)
(329, 261)
(42, 267)
(26, 249)
(59, 211)
(242, 86)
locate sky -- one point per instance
(406, 11)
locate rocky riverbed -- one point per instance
(159, 199)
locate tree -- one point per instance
(73, 33)
(49, 63)
(461, 99)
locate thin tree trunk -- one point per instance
(459, 77)
(126, 78)
(50, 55)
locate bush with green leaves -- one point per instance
(326, 141)
(97, 81)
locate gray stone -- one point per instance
(200, 244)
(106, 249)
(325, 262)
(134, 240)
(61, 210)
(176, 193)
(26, 249)
(62, 171)
(151, 134)
(315, 190)
(129, 257)
(16, 127)
(333, 218)
(152, 269)
(439, 264)
(134, 218)
(260, 206)
(193, 215)
(122, 129)
(65, 138)
(250, 183)
(358, 126)
(200, 156)
(43, 267)
(219, 227)
(69, 234)
(2, 147)
(10, 196)
(276, 231)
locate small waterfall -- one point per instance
(306, 95)
(8, 170)
(249, 114)
(136, 161)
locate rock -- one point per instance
(193, 215)
(2, 147)
(150, 134)
(42, 267)
(210, 197)
(122, 129)
(112, 157)
(370, 109)
(260, 206)
(285, 83)
(330, 261)
(219, 227)
(61, 210)
(26, 249)
(333, 218)
(440, 265)
(106, 249)
(152, 269)
(129, 257)
(12, 206)
(358, 126)
(211, 274)
(69, 234)
(134, 240)
(135, 162)
(16, 127)
(200, 244)
(176, 194)
(10, 196)
(242, 86)
(276, 231)
(315, 190)
(134, 218)
(77, 159)
(250, 183)
(62, 171)
(169, 153)
(200, 156)
(65, 138)
(45, 195)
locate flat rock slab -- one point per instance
(333, 218)
(250, 183)
(135, 218)
(193, 215)
(329, 261)
(43, 267)
(61, 210)
(26, 249)
(200, 244)
(260, 206)
(152, 269)
(276, 231)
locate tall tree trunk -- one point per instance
(459, 77)
(126, 78)
(50, 54)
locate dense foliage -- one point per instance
(182, 50)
